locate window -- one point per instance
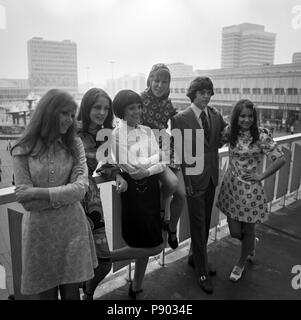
(292, 91)
(235, 90)
(256, 91)
(246, 91)
(267, 91)
(183, 90)
(218, 90)
(176, 90)
(226, 90)
(279, 91)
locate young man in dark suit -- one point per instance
(200, 186)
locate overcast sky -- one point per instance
(135, 34)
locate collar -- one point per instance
(123, 124)
(244, 134)
(197, 111)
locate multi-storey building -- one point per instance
(297, 57)
(275, 90)
(136, 83)
(179, 69)
(52, 64)
(13, 90)
(247, 44)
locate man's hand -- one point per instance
(121, 184)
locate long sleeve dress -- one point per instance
(57, 242)
(242, 200)
(134, 148)
(156, 113)
(92, 202)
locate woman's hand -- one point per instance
(121, 184)
(24, 193)
(252, 176)
(139, 174)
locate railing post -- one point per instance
(162, 258)
(129, 271)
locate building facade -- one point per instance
(247, 44)
(13, 90)
(179, 69)
(297, 57)
(52, 64)
(136, 83)
(275, 90)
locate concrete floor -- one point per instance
(268, 278)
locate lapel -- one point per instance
(192, 123)
(213, 121)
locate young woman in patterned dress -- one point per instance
(242, 197)
(156, 113)
(96, 113)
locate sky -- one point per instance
(118, 37)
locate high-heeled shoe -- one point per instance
(172, 238)
(133, 293)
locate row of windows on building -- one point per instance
(278, 91)
(57, 60)
(13, 96)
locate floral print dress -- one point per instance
(241, 200)
(156, 113)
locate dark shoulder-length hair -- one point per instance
(44, 125)
(234, 127)
(199, 84)
(87, 102)
(123, 99)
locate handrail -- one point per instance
(7, 195)
(286, 181)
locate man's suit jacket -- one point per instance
(186, 119)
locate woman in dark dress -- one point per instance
(137, 153)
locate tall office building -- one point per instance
(52, 64)
(297, 57)
(247, 44)
(179, 69)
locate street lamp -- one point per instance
(112, 77)
(87, 68)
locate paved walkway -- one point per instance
(269, 277)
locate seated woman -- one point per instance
(136, 151)
(157, 111)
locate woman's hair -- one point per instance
(123, 99)
(159, 69)
(87, 102)
(44, 125)
(199, 84)
(234, 127)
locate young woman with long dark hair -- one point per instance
(242, 197)
(51, 177)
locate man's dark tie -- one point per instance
(205, 123)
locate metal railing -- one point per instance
(284, 183)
